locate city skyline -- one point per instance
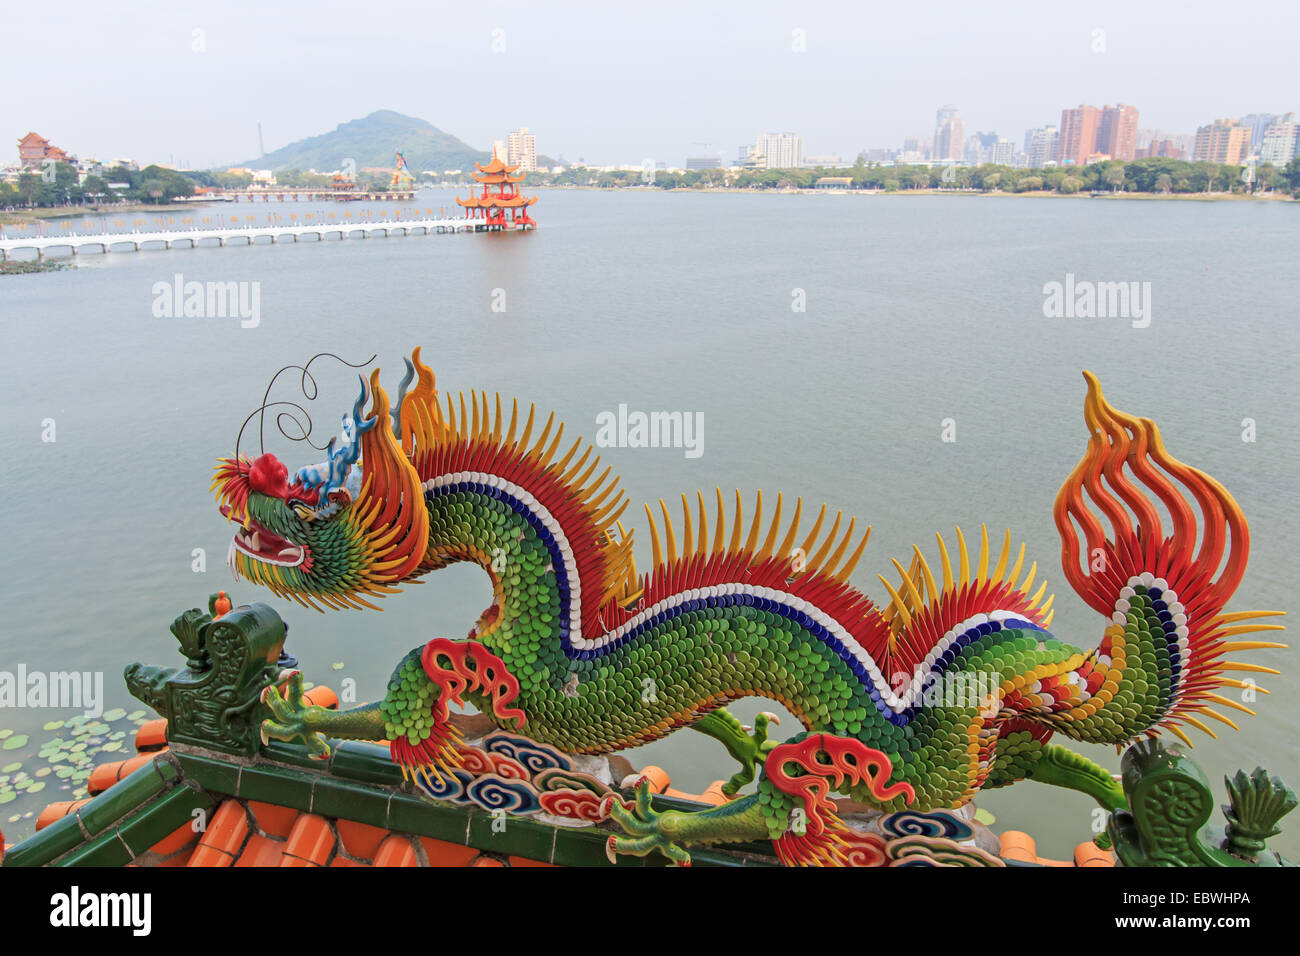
(627, 87)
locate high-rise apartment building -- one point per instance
(949, 134)
(1281, 141)
(1002, 152)
(1040, 146)
(1078, 136)
(1117, 133)
(1259, 124)
(1223, 141)
(779, 150)
(521, 147)
(1088, 132)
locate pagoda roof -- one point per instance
(496, 202)
(495, 165)
(33, 138)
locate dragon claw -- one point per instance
(643, 828)
(757, 747)
(290, 719)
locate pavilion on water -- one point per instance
(500, 195)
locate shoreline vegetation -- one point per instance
(36, 197)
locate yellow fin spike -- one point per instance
(787, 543)
(1227, 702)
(1247, 646)
(854, 558)
(1250, 668)
(755, 524)
(833, 561)
(925, 570)
(567, 476)
(1245, 616)
(908, 586)
(999, 572)
(812, 535)
(688, 530)
(738, 525)
(964, 557)
(535, 453)
(670, 537)
(1178, 732)
(1251, 629)
(720, 532)
(514, 422)
(1047, 605)
(769, 542)
(1015, 571)
(1029, 577)
(1047, 621)
(1038, 595)
(522, 443)
(1215, 715)
(946, 564)
(545, 460)
(982, 571)
(897, 606)
(1233, 682)
(655, 549)
(496, 423)
(702, 550)
(1188, 718)
(815, 562)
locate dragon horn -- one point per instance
(405, 384)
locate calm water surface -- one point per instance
(918, 310)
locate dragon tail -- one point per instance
(1165, 652)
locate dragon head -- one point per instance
(339, 531)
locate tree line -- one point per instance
(1156, 175)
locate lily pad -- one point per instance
(7, 797)
(53, 725)
(15, 818)
(117, 713)
(118, 735)
(136, 715)
(43, 772)
(36, 787)
(337, 665)
(11, 767)
(112, 746)
(5, 733)
(63, 771)
(13, 743)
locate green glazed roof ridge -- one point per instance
(148, 794)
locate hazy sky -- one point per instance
(617, 82)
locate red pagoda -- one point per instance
(490, 207)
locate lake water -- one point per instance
(917, 310)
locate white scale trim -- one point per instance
(846, 640)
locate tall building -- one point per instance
(521, 147)
(1002, 152)
(1078, 136)
(1040, 146)
(1117, 133)
(779, 150)
(1281, 141)
(949, 134)
(1259, 124)
(1223, 141)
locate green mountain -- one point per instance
(372, 141)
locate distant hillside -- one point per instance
(371, 142)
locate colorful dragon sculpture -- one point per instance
(591, 657)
